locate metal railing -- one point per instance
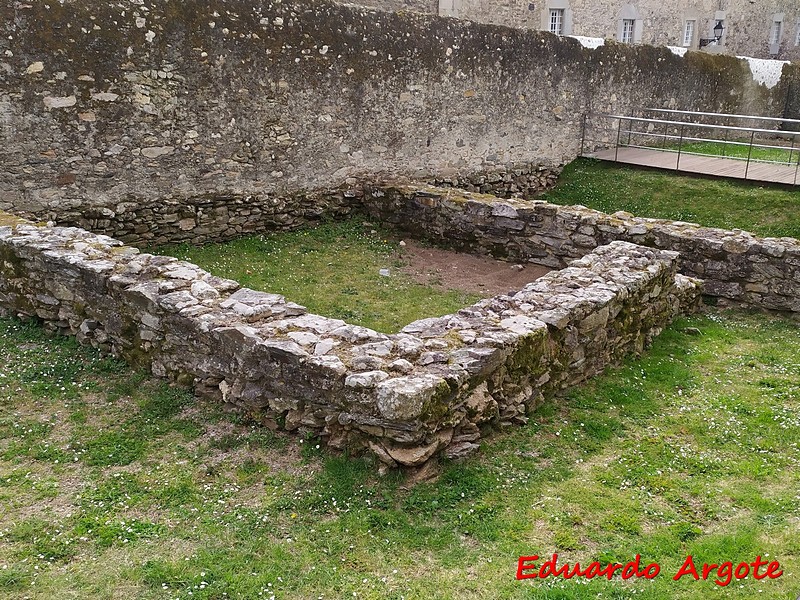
(685, 135)
(717, 116)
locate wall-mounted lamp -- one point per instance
(719, 29)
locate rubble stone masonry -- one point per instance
(748, 24)
(433, 389)
(188, 120)
(735, 266)
(206, 117)
(442, 383)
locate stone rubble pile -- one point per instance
(434, 389)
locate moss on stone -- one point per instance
(529, 353)
(439, 405)
(9, 220)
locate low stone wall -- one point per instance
(735, 265)
(431, 389)
(218, 217)
(522, 182)
(210, 218)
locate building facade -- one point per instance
(757, 28)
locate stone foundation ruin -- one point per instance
(186, 121)
(438, 386)
(406, 397)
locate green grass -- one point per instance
(113, 485)
(736, 151)
(333, 270)
(763, 210)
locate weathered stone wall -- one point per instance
(525, 181)
(432, 389)
(429, 7)
(747, 23)
(734, 265)
(750, 27)
(109, 109)
(210, 218)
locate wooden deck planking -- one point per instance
(702, 165)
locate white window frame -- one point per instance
(557, 20)
(776, 33)
(688, 32)
(449, 8)
(556, 17)
(628, 27)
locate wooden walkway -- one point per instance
(703, 165)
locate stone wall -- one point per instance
(109, 110)
(750, 28)
(747, 24)
(210, 218)
(735, 266)
(525, 181)
(433, 389)
(430, 7)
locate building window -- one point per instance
(627, 31)
(556, 17)
(557, 21)
(777, 32)
(688, 33)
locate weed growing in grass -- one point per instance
(332, 269)
(763, 210)
(693, 449)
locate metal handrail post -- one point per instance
(629, 129)
(729, 138)
(749, 154)
(797, 166)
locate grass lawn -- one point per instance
(113, 485)
(736, 151)
(333, 270)
(760, 209)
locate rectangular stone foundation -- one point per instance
(427, 391)
(735, 266)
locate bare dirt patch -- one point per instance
(466, 272)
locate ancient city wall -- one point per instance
(734, 265)
(175, 117)
(431, 390)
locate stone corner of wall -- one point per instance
(407, 397)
